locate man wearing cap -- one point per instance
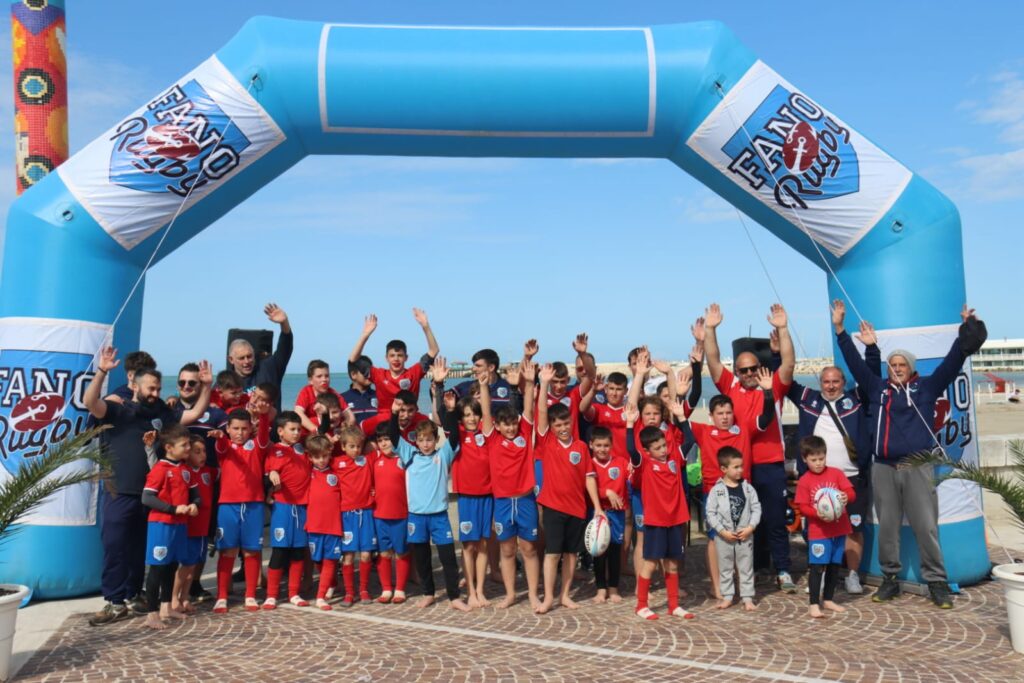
(902, 406)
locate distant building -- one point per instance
(1006, 355)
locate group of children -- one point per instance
(348, 478)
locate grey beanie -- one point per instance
(911, 358)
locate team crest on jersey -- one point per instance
(502, 392)
(855, 520)
(157, 423)
(814, 403)
(498, 528)
(480, 439)
(279, 534)
(575, 457)
(818, 549)
(846, 403)
(622, 415)
(639, 520)
(159, 552)
(614, 473)
(249, 445)
(205, 417)
(404, 383)
(299, 449)
(672, 466)
(186, 475)
(205, 476)
(565, 401)
(373, 402)
(359, 460)
(519, 441)
(735, 429)
(332, 480)
(347, 537)
(465, 527)
(600, 398)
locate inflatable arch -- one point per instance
(78, 241)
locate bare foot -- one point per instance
(815, 612)
(484, 602)
(462, 582)
(472, 602)
(614, 596)
(749, 605)
(569, 603)
(602, 596)
(725, 603)
(534, 603)
(543, 607)
(187, 607)
(507, 602)
(459, 605)
(426, 601)
(154, 622)
(172, 614)
(831, 606)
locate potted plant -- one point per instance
(37, 479)
(1011, 490)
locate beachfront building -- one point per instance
(1006, 355)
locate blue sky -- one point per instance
(630, 251)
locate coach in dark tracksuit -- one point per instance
(123, 517)
(903, 407)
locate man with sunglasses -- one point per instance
(768, 473)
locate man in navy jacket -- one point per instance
(903, 406)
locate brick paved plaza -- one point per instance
(906, 641)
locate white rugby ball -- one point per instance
(828, 504)
(597, 536)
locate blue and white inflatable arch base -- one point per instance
(78, 241)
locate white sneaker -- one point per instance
(853, 586)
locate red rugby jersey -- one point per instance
(511, 461)
(323, 512)
(356, 476)
(710, 440)
(766, 446)
(241, 473)
(809, 484)
(170, 481)
(566, 468)
(389, 493)
(204, 477)
(293, 466)
(388, 385)
(662, 494)
(613, 419)
(612, 474)
(471, 471)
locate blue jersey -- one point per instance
(426, 478)
(363, 404)
(501, 391)
(213, 418)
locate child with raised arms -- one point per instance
(390, 518)
(288, 472)
(173, 498)
(733, 511)
(396, 377)
(323, 516)
(510, 454)
(427, 464)
(240, 506)
(826, 539)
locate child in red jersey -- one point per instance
(319, 375)
(172, 495)
(288, 470)
(409, 416)
(323, 515)
(390, 518)
(826, 540)
(665, 511)
(240, 506)
(510, 454)
(228, 393)
(569, 479)
(328, 418)
(355, 474)
(612, 470)
(471, 480)
(205, 478)
(396, 377)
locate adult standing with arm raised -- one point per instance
(253, 370)
(768, 473)
(903, 403)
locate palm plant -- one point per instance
(38, 477)
(1010, 489)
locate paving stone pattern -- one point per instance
(907, 641)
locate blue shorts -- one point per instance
(616, 524)
(538, 476)
(434, 527)
(663, 542)
(166, 543)
(288, 526)
(324, 547)
(392, 534)
(195, 548)
(826, 550)
(358, 532)
(240, 525)
(516, 517)
(636, 507)
(475, 516)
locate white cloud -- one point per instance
(705, 207)
(993, 176)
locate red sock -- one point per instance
(273, 582)
(327, 571)
(384, 572)
(402, 572)
(252, 574)
(348, 573)
(643, 587)
(364, 576)
(672, 588)
(295, 576)
(225, 565)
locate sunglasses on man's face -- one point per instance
(190, 383)
(749, 370)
